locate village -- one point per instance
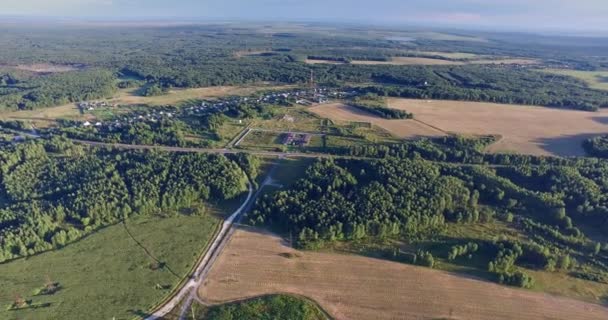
(307, 97)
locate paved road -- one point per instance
(266, 153)
(211, 150)
(212, 252)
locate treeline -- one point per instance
(274, 307)
(377, 106)
(55, 192)
(56, 89)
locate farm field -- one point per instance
(356, 287)
(524, 129)
(108, 274)
(595, 79)
(425, 61)
(408, 129)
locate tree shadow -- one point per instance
(139, 313)
(601, 120)
(566, 145)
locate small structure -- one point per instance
(296, 139)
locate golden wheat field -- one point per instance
(524, 129)
(354, 287)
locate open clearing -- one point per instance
(524, 129)
(425, 61)
(595, 79)
(46, 67)
(354, 287)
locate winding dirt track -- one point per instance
(353, 287)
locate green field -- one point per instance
(265, 140)
(108, 274)
(265, 308)
(595, 79)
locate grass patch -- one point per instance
(264, 140)
(108, 274)
(594, 79)
(229, 130)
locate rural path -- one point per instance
(211, 254)
(193, 296)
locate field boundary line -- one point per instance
(431, 126)
(187, 276)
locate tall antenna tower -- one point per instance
(312, 80)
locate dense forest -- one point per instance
(551, 207)
(55, 192)
(30, 91)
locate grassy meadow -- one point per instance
(108, 274)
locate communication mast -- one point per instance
(312, 80)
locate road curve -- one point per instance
(207, 259)
(221, 244)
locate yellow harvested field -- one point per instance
(524, 129)
(354, 287)
(407, 129)
(425, 61)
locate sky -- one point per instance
(520, 15)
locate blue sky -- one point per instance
(493, 14)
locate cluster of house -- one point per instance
(303, 97)
(321, 95)
(92, 105)
(153, 115)
(296, 139)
